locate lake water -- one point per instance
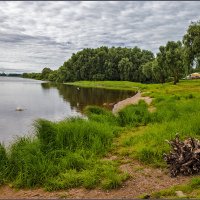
(45, 100)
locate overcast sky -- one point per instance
(34, 35)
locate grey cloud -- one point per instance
(37, 34)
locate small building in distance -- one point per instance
(195, 75)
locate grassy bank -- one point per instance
(62, 155)
(184, 87)
(177, 111)
(114, 85)
(70, 153)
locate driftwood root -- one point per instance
(184, 158)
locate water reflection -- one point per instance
(80, 97)
(45, 100)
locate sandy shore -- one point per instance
(132, 100)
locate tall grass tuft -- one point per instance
(134, 115)
(63, 154)
(29, 166)
(82, 134)
(3, 163)
(46, 132)
(101, 115)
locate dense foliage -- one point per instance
(191, 41)
(173, 61)
(102, 63)
(168, 63)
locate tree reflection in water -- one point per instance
(80, 97)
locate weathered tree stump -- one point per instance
(184, 158)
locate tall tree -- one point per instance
(160, 67)
(191, 41)
(147, 70)
(45, 73)
(174, 60)
(125, 69)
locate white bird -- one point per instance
(19, 109)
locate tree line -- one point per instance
(11, 74)
(173, 61)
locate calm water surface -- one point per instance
(45, 100)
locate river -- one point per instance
(50, 101)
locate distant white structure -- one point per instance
(195, 75)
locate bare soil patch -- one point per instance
(132, 100)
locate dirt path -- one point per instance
(132, 100)
(142, 180)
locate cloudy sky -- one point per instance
(34, 35)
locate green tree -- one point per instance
(160, 68)
(125, 69)
(191, 41)
(45, 73)
(147, 70)
(102, 63)
(53, 76)
(174, 60)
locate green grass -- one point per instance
(98, 173)
(134, 115)
(177, 111)
(114, 85)
(185, 86)
(3, 164)
(63, 155)
(70, 153)
(101, 115)
(75, 134)
(190, 190)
